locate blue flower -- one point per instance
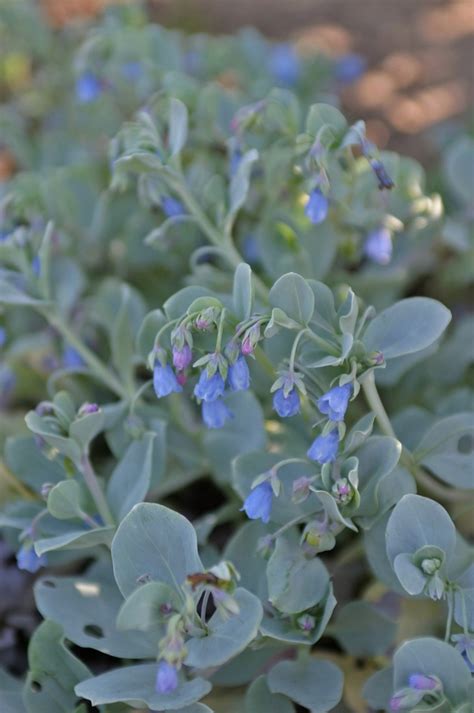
(27, 558)
(164, 380)
(88, 87)
(384, 180)
(378, 246)
(172, 207)
(239, 375)
(284, 64)
(349, 68)
(334, 403)
(209, 388)
(317, 207)
(36, 265)
(324, 448)
(3, 336)
(182, 358)
(72, 358)
(215, 414)
(286, 406)
(465, 645)
(258, 503)
(166, 678)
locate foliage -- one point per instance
(205, 279)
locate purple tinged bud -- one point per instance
(166, 678)
(239, 376)
(209, 388)
(333, 404)
(317, 207)
(88, 87)
(306, 622)
(28, 560)
(343, 491)
(421, 682)
(88, 408)
(171, 207)
(215, 414)
(378, 246)
(258, 503)
(301, 489)
(324, 448)
(384, 180)
(45, 490)
(164, 380)
(396, 703)
(182, 358)
(286, 406)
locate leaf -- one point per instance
(285, 629)
(85, 428)
(178, 126)
(432, 657)
(10, 694)
(154, 541)
(320, 115)
(176, 305)
(11, 295)
(54, 671)
(76, 540)
(227, 636)
(131, 478)
(87, 608)
(65, 500)
(294, 296)
(64, 445)
(135, 685)
(416, 522)
(312, 683)
(20, 452)
(123, 334)
(142, 610)
(406, 327)
(362, 630)
(242, 293)
(240, 182)
(447, 450)
(295, 583)
(146, 334)
(259, 699)
(458, 162)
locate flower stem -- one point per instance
(96, 490)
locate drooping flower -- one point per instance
(88, 87)
(286, 406)
(384, 180)
(258, 503)
(209, 388)
(317, 207)
(465, 645)
(349, 68)
(88, 408)
(239, 375)
(171, 207)
(378, 246)
(334, 402)
(284, 64)
(182, 357)
(27, 558)
(215, 414)
(324, 448)
(164, 380)
(166, 678)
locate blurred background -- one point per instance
(419, 54)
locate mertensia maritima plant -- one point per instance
(246, 467)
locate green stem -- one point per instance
(95, 490)
(327, 346)
(218, 239)
(220, 331)
(102, 371)
(449, 621)
(290, 524)
(406, 458)
(294, 348)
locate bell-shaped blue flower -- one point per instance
(238, 376)
(284, 64)
(324, 448)
(166, 678)
(88, 87)
(333, 404)
(258, 503)
(172, 207)
(378, 246)
(286, 406)
(27, 558)
(215, 414)
(209, 388)
(317, 207)
(164, 380)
